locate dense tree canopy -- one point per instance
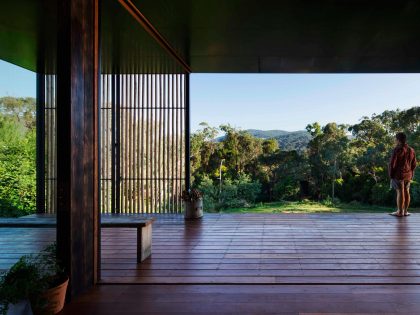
(343, 162)
(17, 156)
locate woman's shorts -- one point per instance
(397, 184)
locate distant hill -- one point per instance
(267, 134)
(288, 140)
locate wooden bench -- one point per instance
(143, 226)
(144, 232)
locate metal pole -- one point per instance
(187, 133)
(220, 180)
(333, 184)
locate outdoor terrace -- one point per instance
(357, 263)
(252, 249)
(92, 56)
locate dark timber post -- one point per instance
(77, 141)
(40, 143)
(187, 133)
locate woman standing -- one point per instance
(401, 171)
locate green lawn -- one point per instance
(311, 207)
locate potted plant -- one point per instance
(35, 279)
(193, 204)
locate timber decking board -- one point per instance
(247, 299)
(48, 220)
(255, 248)
(252, 249)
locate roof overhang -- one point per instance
(234, 36)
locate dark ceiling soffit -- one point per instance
(145, 23)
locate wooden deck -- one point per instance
(270, 249)
(253, 249)
(247, 299)
(15, 242)
(251, 264)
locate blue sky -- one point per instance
(291, 101)
(273, 101)
(16, 81)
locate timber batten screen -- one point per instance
(142, 150)
(143, 125)
(142, 143)
(47, 145)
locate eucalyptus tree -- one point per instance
(328, 156)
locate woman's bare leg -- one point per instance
(400, 200)
(407, 199)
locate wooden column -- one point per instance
(77, 141)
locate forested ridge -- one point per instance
(339, 163)
(287, 140)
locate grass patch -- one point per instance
(311, 207)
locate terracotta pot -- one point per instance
(193, 209)
(55, 298)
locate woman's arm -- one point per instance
(413, 163)
(391, 165)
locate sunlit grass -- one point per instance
(311, 207)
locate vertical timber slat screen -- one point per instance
(50, 176)
(143, 118)
(142, 142)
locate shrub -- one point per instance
(286, 189)
(247, 189)
(17, 172)
(210, 194)
(329, 202)
(381, 194)
(415, 190)
(234, 193)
